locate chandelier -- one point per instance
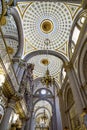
(47, 80)
(43, 120)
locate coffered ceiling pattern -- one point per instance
(47, 20)
(10, 34)
(42, 62)
(46, 26)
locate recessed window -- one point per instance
(75, 36)
(82, 20)
(43, 91)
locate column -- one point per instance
(32, 121)
(56, 114)
(27, 125)
(75, 87)
(5, 121)
(62, 110)
(22, 66)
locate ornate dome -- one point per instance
(42, 21)
(41, 63)
(47, 20)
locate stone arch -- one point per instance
(40, 108)
(44, 100)
(79, 15)
(50, 52)
(81, 64)
(41, 89)
(18, 22)
(39, 79)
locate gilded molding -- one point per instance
(7, 89)
(20, 110)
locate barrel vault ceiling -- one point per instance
(46, 26)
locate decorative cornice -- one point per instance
(68, 66)
(19, 109)
(7, 89)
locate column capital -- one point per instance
(22, 63)
(68, 66)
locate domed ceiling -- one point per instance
(10, 34)
(42, 62)
(46, 26)
(46, 20)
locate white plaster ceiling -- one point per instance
(32, 15)
(54, 65)
(43, 107)
(61, 18)
(43, 103)
(10, 35)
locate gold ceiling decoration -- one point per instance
(46, 26)
(3, 21)
(10, 50)
(45, 61)
(47, 80)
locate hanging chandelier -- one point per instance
(47, 80)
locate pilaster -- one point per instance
(79, 102)
(62, 109)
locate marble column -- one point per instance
(6, 119)
(75, 88)
(27, 125)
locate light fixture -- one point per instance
(43, 119)
(47, 80)
(43, 91)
